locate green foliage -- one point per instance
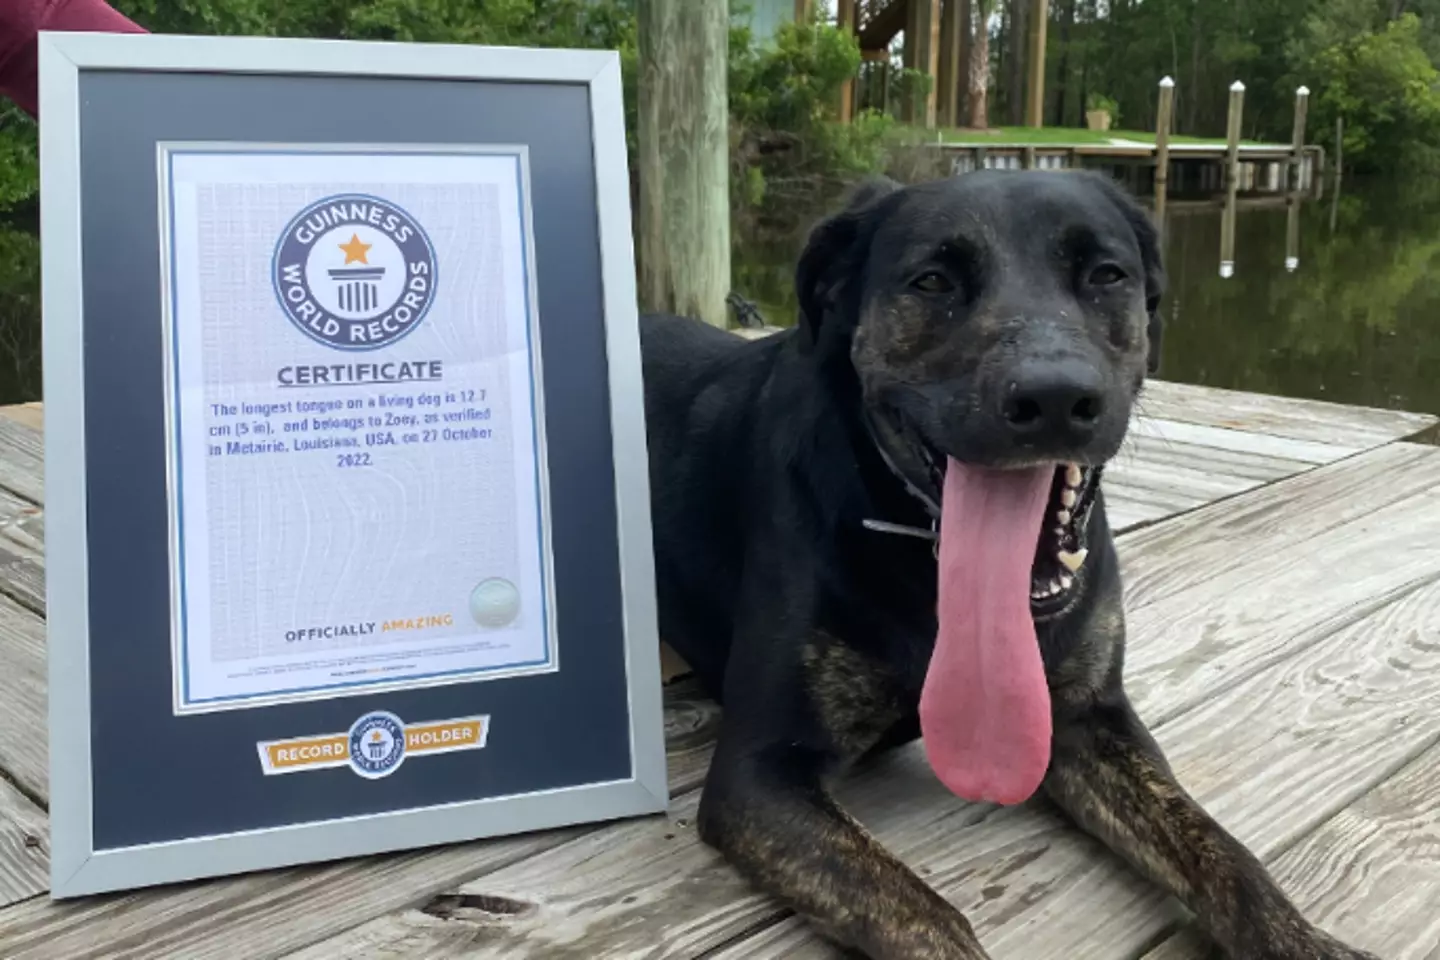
(1384, 86)
(784, 99)
(783, 94)
(19, 165)
(1377, 54)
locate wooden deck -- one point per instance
(1282, 564)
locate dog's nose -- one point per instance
(1054, 401)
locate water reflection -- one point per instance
(1333, 298)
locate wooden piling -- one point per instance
(1339, 147)
(1232, 179)
(1297, 138)
(684, 158)
(1164, 111)
(1292, 233)
(846, 21)
(1232, 130)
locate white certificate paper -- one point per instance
(357, 472)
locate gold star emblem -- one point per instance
(376, 736)
(355, 250)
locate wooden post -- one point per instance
(846, 21)
(1339, 147)
(962, 85)
(925, 18)
(1292, 233)
(684, 158)
(1227, 235)
(1297, 137)
(802, 10)
(1335, 197)
(1232, 131)
(1164, 111)
(1232, 179)
(947, 78)
(1035, 106)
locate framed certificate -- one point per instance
(348, 539)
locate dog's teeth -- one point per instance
(1059, 531)
(1063, 516)
(1067, 497)
(1074, 561)
(1066, 581)
(1054, 587)
(1072, 475)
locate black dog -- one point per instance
(966, 359)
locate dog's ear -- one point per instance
(1151, 259)
(832, 254)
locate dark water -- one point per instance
(1357, 322)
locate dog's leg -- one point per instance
(1108, 773)
(769, 816)
(796, 714)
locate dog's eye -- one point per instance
(933, 282)
(1106, 275)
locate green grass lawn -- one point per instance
(1064, 136)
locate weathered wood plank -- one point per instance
(24, 735)
(1306, 744)
(1205, 542)
(22, 453)
(24, 847)
(1189, 456)
(1371, 873)
(31, 415)
(1298, 419)
(1241, 441)
(275, 912)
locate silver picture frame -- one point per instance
(77, 866)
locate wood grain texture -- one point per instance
(31, 415)
(275, 912)
(22, 452)
(1274, 750)
(1371, 873)
(1368, 873)
(683, 158)
(24, 848)
(1241, 441)
(1297, 419)
(24, 734)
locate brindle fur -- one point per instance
(815, 633)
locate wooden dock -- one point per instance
(1193, 168)
(1282, 566)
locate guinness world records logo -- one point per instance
(377, 744)
(354, 272)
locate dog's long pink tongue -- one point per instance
(985, 707)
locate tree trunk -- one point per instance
(684, 158)
(967, 54)
(1018, 56)
(980, 66)
(1063, 74)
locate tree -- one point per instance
(979, 63)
